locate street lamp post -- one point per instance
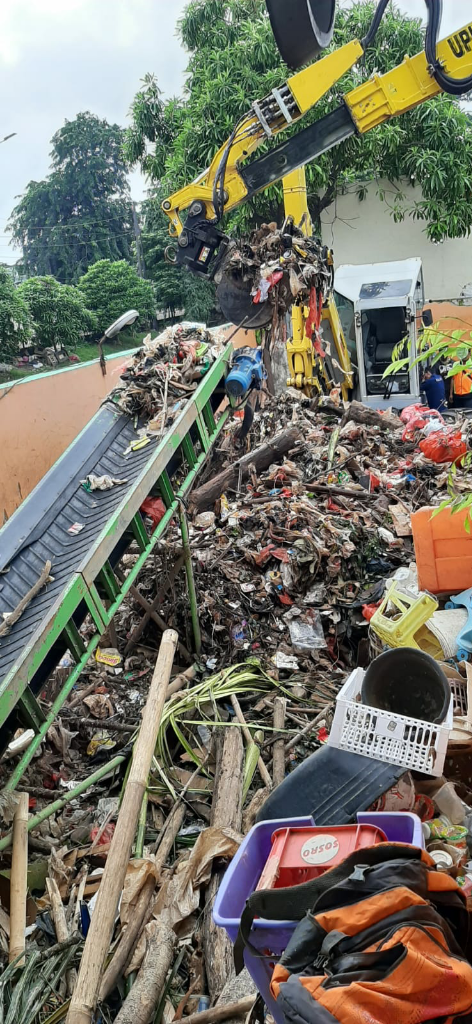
(125, 320)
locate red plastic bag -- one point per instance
(155, 509)
(416, 417)
(106, 836)
(410, 412)
(444, 446)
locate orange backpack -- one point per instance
(384, 943)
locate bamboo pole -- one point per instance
(18, 879)
(84, 999)
(278, 762)
(128, 939)
(57, 805)
(264, 774)
(101, 773)
(192, 593)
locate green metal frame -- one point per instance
(96, 567)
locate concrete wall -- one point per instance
(365, 232)
(40, 417)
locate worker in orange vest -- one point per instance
(461, 390)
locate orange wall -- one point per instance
(40, 417)
(451, 317)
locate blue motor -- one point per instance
(247, 372)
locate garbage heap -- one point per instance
(156, 384)
(304, 566)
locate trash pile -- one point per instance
(277, 266)
(117, 837)
(292, 560)
(165, 372)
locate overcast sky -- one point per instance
(60, 57)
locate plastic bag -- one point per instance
(155, 509)
(307, 634)
(417, 417)
(411, 412)
(444, 446)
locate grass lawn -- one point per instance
(86, 351)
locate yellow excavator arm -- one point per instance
(233, 177)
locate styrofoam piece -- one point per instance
(395, 739)
(446, 626)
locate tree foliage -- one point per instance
(81, 212)
(111, 289)
(59, 312)
(15, 320)
(233, 60)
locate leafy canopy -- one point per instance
(110, 289)
(233, 60)
(15, 320)
(59, 312)
(81, 212)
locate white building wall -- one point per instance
(365, 232)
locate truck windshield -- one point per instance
(382, 329)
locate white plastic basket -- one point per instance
(459, 697)
(394, 739)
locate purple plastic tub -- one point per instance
(244, 872)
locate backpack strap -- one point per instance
(292, 904)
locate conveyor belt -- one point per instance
(82, 564)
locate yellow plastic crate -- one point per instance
(405, 623)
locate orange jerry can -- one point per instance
(443, 551)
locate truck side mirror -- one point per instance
(427, 318)
(302, 28)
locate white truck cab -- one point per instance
(380, 304)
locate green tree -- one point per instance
(111, 289)
(59, 312)
(233, 60)
(15, 320)
(175, 289)
(81, 212)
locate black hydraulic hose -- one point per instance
(375, 25)
(453, 86)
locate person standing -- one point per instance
(461, 390)
(434, 388)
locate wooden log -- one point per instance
(139, 1006)
(84, 999)
(278, 763)
(359, 413)
(264, 774)
(342, 492)
(16, 614)
(263, 457)
(225, 812)
(18, 879)
(221, 1012)
(60, 924)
